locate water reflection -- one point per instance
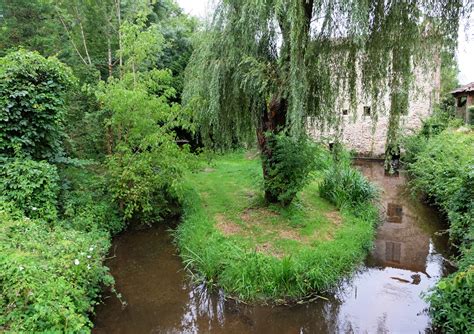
(383, 296)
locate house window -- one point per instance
(393, 251)
(462, 101)
(345, 112)
(394, 213)
(367, 111)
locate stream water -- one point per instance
(383, 296)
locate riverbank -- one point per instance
(441, 164)
(230, 238)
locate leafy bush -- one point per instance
(146, 184)
(442, 119)
(452, 302)
(289, 167)
(85, 202)
(31, 185)
(32, 91)
(345, 186)
(146, 163)
(444, 171)
(49, 277)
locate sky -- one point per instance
(465, 50)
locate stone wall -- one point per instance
(367, 135)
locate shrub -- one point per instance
(452, 302)
(345, 186)
(442, 119)
(49, 277)
(145, 164)
(31, 185)
(32, 91)
(85, 202)
(146, 184)
(289, 167)
(444, 171)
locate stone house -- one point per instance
(465, 102)
(365, 133)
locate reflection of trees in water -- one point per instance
(210, 312)
(203, 310)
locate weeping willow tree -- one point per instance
(274, 67)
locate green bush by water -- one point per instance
(292, 160)
(31, 185)
(345, 186)
(50, 277)
(52, 247)
(443, 169)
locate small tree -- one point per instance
(32, 93)
(275, 66)
(145, 163)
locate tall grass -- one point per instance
(345, 186)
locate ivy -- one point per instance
(32, 94)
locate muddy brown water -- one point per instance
(383, 296)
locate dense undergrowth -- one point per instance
(59, 207)
(266, 253)
(53, 248)
(441, 161)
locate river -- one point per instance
(382, 296)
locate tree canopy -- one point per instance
(277, 65)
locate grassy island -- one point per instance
(266, 253)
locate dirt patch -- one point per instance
(290, 234)
(257, 215)
(226, 226)
(334, 217)
(268, 249)
(209, 170)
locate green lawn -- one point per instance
(256, 252)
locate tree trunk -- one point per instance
(110, 65)
(119, 22)
(272, 121)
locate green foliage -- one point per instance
(85, 201)
(452, 302)
(257, 263)
(32, 186)
(304, 54)
(289, 166)
(442, 119)
(146, 164)
(49, 276)
(32, 92)
(140, 44)
(85, 122)
(29, 24)
(443, 169)
(345, 186)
